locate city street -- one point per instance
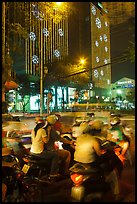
(60, 191)
(69, 61)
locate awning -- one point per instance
(11, 85)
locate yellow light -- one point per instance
(82, 61)
(58, 3)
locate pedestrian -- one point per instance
(54, 137)
(39, 137)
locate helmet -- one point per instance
(127, 130)
(115, 120)
(97, 125)
(58, 116)
(52, 119)
(39, 120)
(84, 127)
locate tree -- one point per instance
(26, 88)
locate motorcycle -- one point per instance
(89, 183)
(18, 188)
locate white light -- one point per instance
(32, 36)
(97, 59)
(95, 73)
(96, 43)
(35, 59)
(56, 53)
(98, 22)
(119, 91)
(101, 38)
(105, 61)
(45, 32)
(105, 37)
(93, 10)
(102, 73)
(36, 13)
(106, 48)
(106, 23)
(108, 81)
(61, 33)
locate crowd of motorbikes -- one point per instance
(24, 175)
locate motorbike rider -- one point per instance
(64, 155)
(88, 150)
(115, 131)
(39, 137)
(118, 134)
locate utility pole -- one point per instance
(41, 73)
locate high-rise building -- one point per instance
(100, 47)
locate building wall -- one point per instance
(122, 87)
(100, 47)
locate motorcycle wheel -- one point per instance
(32, 191)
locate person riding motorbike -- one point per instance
(88, 150)
(117, 135)
(39, 137)
(115, 131)
(64, 155)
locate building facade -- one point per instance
(100, 47)
(122, 87)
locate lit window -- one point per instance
(105, 61)
(96, 73)
(105, 37)
(106, 48)
(97, 59)
(98, 23)
(45, 32)
(101, 38)
(106, 23)
(93, 10)
(61, 33)
(32, 36)
(102, 73)
(96, 43)
(35, 59)
(56, 53)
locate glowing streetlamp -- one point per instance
(58, 3)
(82, 61)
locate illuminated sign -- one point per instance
(124, 82)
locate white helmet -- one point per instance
(97, 124)
(52, 119)
(127, 130)
(115, 120)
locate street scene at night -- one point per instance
(68, 101)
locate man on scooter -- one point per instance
(88, 150)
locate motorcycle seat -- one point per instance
(84, 169)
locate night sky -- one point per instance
(120, 37)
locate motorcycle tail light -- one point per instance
(77, 178)
(25, 160)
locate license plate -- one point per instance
(25, 168)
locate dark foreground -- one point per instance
(60, 191)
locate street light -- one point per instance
(82, 61)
